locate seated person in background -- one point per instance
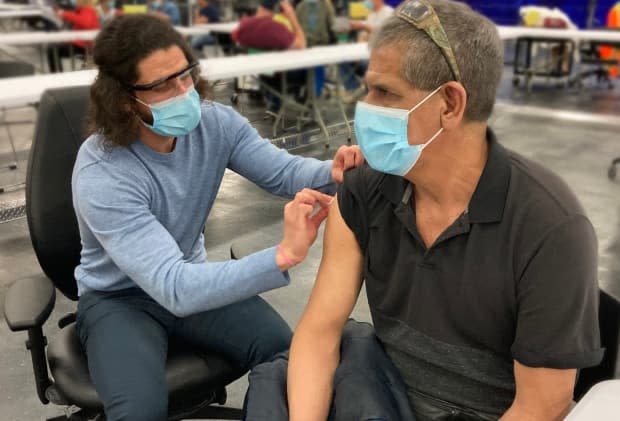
(379, 13)
(351, 72)
(480, 265)
(206, 12)
(83, 17)
(166, 10)
(267, 30)
(143, 185)
(107, 10)
(316, 18)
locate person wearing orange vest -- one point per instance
(607, 52)
(83, 17)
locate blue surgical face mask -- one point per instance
(176, 116)
(381, 133)
(369, 5)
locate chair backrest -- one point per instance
(609, 325)
(54, 232)
(15, 68)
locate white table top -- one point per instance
(506, 32)
(203, 28)
(45, 37)
(241, 65)
(48, 37)
(510, 32)
(17, 13)
(20, 91)
(601, 403)
(24, 90)
(14, 6)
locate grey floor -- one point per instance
(575, 133)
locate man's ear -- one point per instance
(455, 99)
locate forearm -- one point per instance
(187, 288)
(311, 371)
(145, 252)
(542, 394)
(518, 412)
(300, 36)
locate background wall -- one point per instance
(507, 13)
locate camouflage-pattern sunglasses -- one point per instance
(421, 14)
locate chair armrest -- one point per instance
(240, 250)
(29, 302)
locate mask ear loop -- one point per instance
(147, 125)
(432, 138)
(415, 107)
(142, 102)
(428, 142)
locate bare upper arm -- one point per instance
(542, 393)
(339, 278)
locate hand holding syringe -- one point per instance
(302, 218)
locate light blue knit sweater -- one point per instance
(141, 213)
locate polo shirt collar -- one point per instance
(489, 198)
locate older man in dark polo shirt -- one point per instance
(480, 265)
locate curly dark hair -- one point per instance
(119, 47)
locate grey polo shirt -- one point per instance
(514, 277)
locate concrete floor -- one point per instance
(578, 144)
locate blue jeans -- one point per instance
(367, 385)
(200, 41)
(125, 335)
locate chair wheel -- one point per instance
(221, 396)
(515, 81)
(611, 173)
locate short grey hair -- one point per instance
(477, 47)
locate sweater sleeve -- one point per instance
(117, 213)
(83, 18)
(285, 174)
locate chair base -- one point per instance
(81, 415)
(611, 173)
(208, 412)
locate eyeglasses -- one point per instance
(421, 14)
(167, 85)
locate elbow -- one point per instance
(298, 44)
(178, 310)
(177, 307)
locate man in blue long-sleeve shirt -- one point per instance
(166, 10)
(143, 185)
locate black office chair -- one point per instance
(195, 380)
(609, 325)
